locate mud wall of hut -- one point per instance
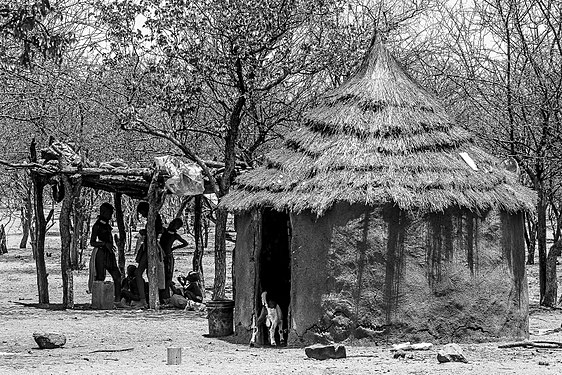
(246, 257)
(382, 274)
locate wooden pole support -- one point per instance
(174, 356)
(122, 237)
(155, 201)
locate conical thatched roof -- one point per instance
(379, 138)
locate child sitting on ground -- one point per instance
(191, 287)
(129, 288)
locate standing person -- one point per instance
(142, 255)
(102, 240)
(167, 239)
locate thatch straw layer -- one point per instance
(379, 138)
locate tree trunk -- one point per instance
(24, 228)
(122, 237)
(181, 211)
(551, 290)
(130, 233)
(205, 230)
(541, 237)
(26, 217)
(530, 238)
(225, 182)
(40, 228)
(197, 233)
(65, 229)
(3, 247)
(78, 224)
(33, 231)
(155, 201)
(85, 231)
(220, 254)
(233, 272)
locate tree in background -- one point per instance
(27, 32)
(214, 74)
(503, 60)
(48, 59)
(226, 78)
(222, 81)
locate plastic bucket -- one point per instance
(220, 315)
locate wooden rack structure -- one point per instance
(68, 179)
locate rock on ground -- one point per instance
(49, 340)
(322, 352)
(451, 353)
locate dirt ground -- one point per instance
(146, 336)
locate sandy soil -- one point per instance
(146, 335)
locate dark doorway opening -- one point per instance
(275, 264)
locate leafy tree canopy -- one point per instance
(27, 31)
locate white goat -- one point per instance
(272, 315)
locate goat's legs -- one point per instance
(272, 330)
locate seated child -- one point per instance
(129, 288)
(191, 287)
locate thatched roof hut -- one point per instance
(378, 191)
(379, 138)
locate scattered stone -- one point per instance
(49, 340)
(399, 354)
(543, 363)
(322, 352)
(408, 346)
(451, 353)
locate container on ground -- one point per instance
(220, 314)
(102, 295)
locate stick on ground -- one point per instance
(532, 344)
(112, 350)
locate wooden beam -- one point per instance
(49, 170)
(116, 185)
(139, 172)
(31, 165)
(146, 172)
